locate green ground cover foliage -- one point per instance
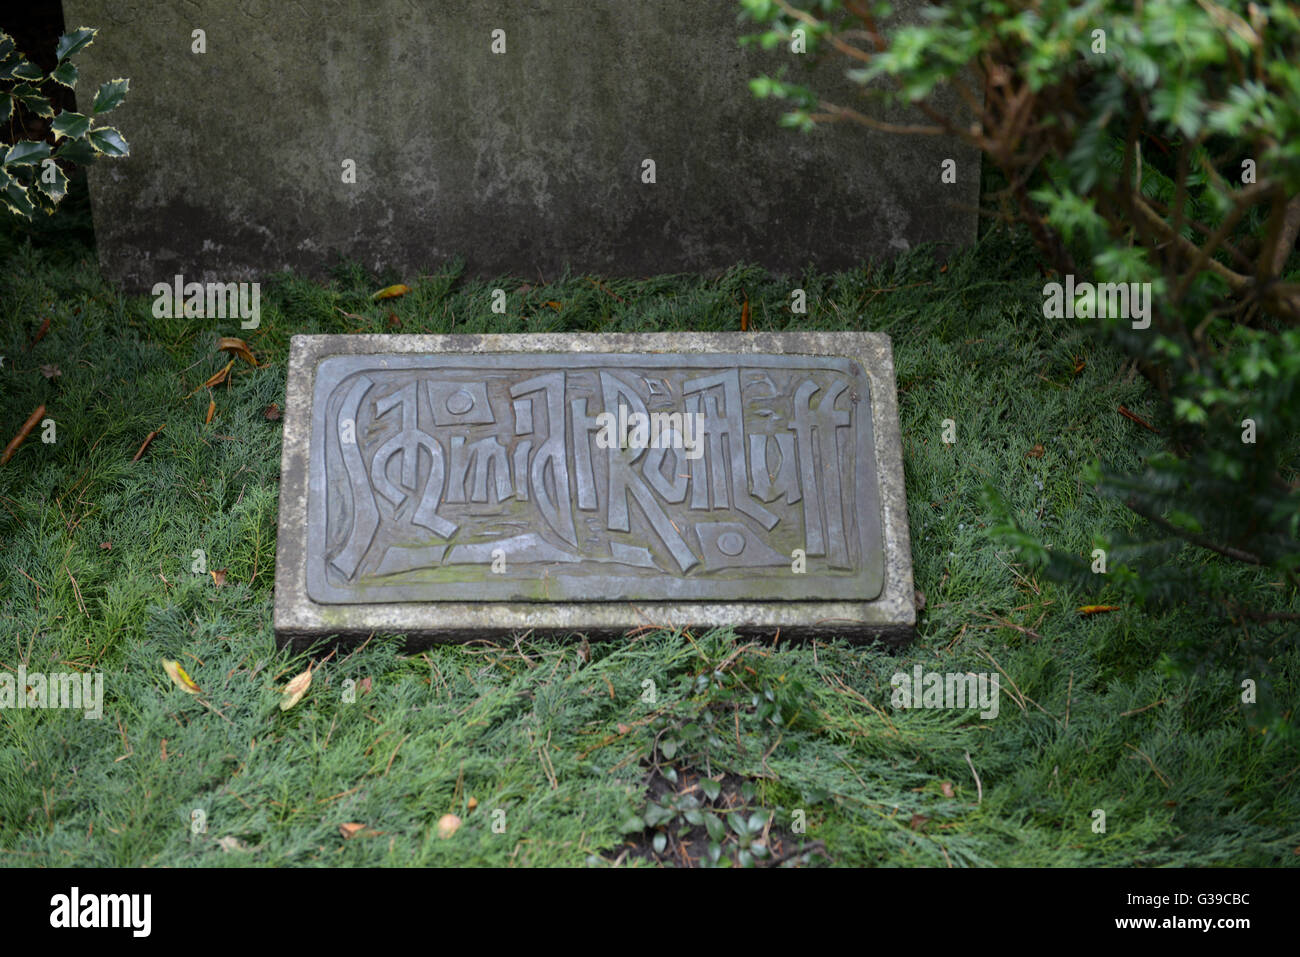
(96, 575)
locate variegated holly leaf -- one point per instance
(70, 124)
(74, 41)
(109, 141)
(65, 73)
(110, 95)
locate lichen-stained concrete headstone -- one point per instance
(452, 487)
(401, 133)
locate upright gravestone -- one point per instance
(607, 135)
(453, 487)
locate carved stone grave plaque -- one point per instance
(451, 487)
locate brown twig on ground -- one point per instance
(147, 440)
(1225, 550)
(18, 439)
(1163, 780)
(1133, 417)
(1001, 622)
(816, 847)
(609, 292)
(979, 788)
(1146, 707)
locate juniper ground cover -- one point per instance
(546, 750)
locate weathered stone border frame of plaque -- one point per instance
(298, 620)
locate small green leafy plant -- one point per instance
(701, 809)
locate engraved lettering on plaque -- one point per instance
(596, 477)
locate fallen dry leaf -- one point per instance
(212, 407)
(17, 440)
(351, 830)
(557, 306)
(1096, 609)
(473, 803)
(364, 685)
(393, 321)
(216, 378)
(1036, 452)
(218, 576)
(239, 347)
(744, 316)
(220, 376)
(273, 413)
(1079, 365)
(179, 677)
(295, 689)
(40, 333)
(106, 545)
(947, 788)
(51, 371)
(391, 292)
(448, 825)
(231, 843)
(918, 822)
